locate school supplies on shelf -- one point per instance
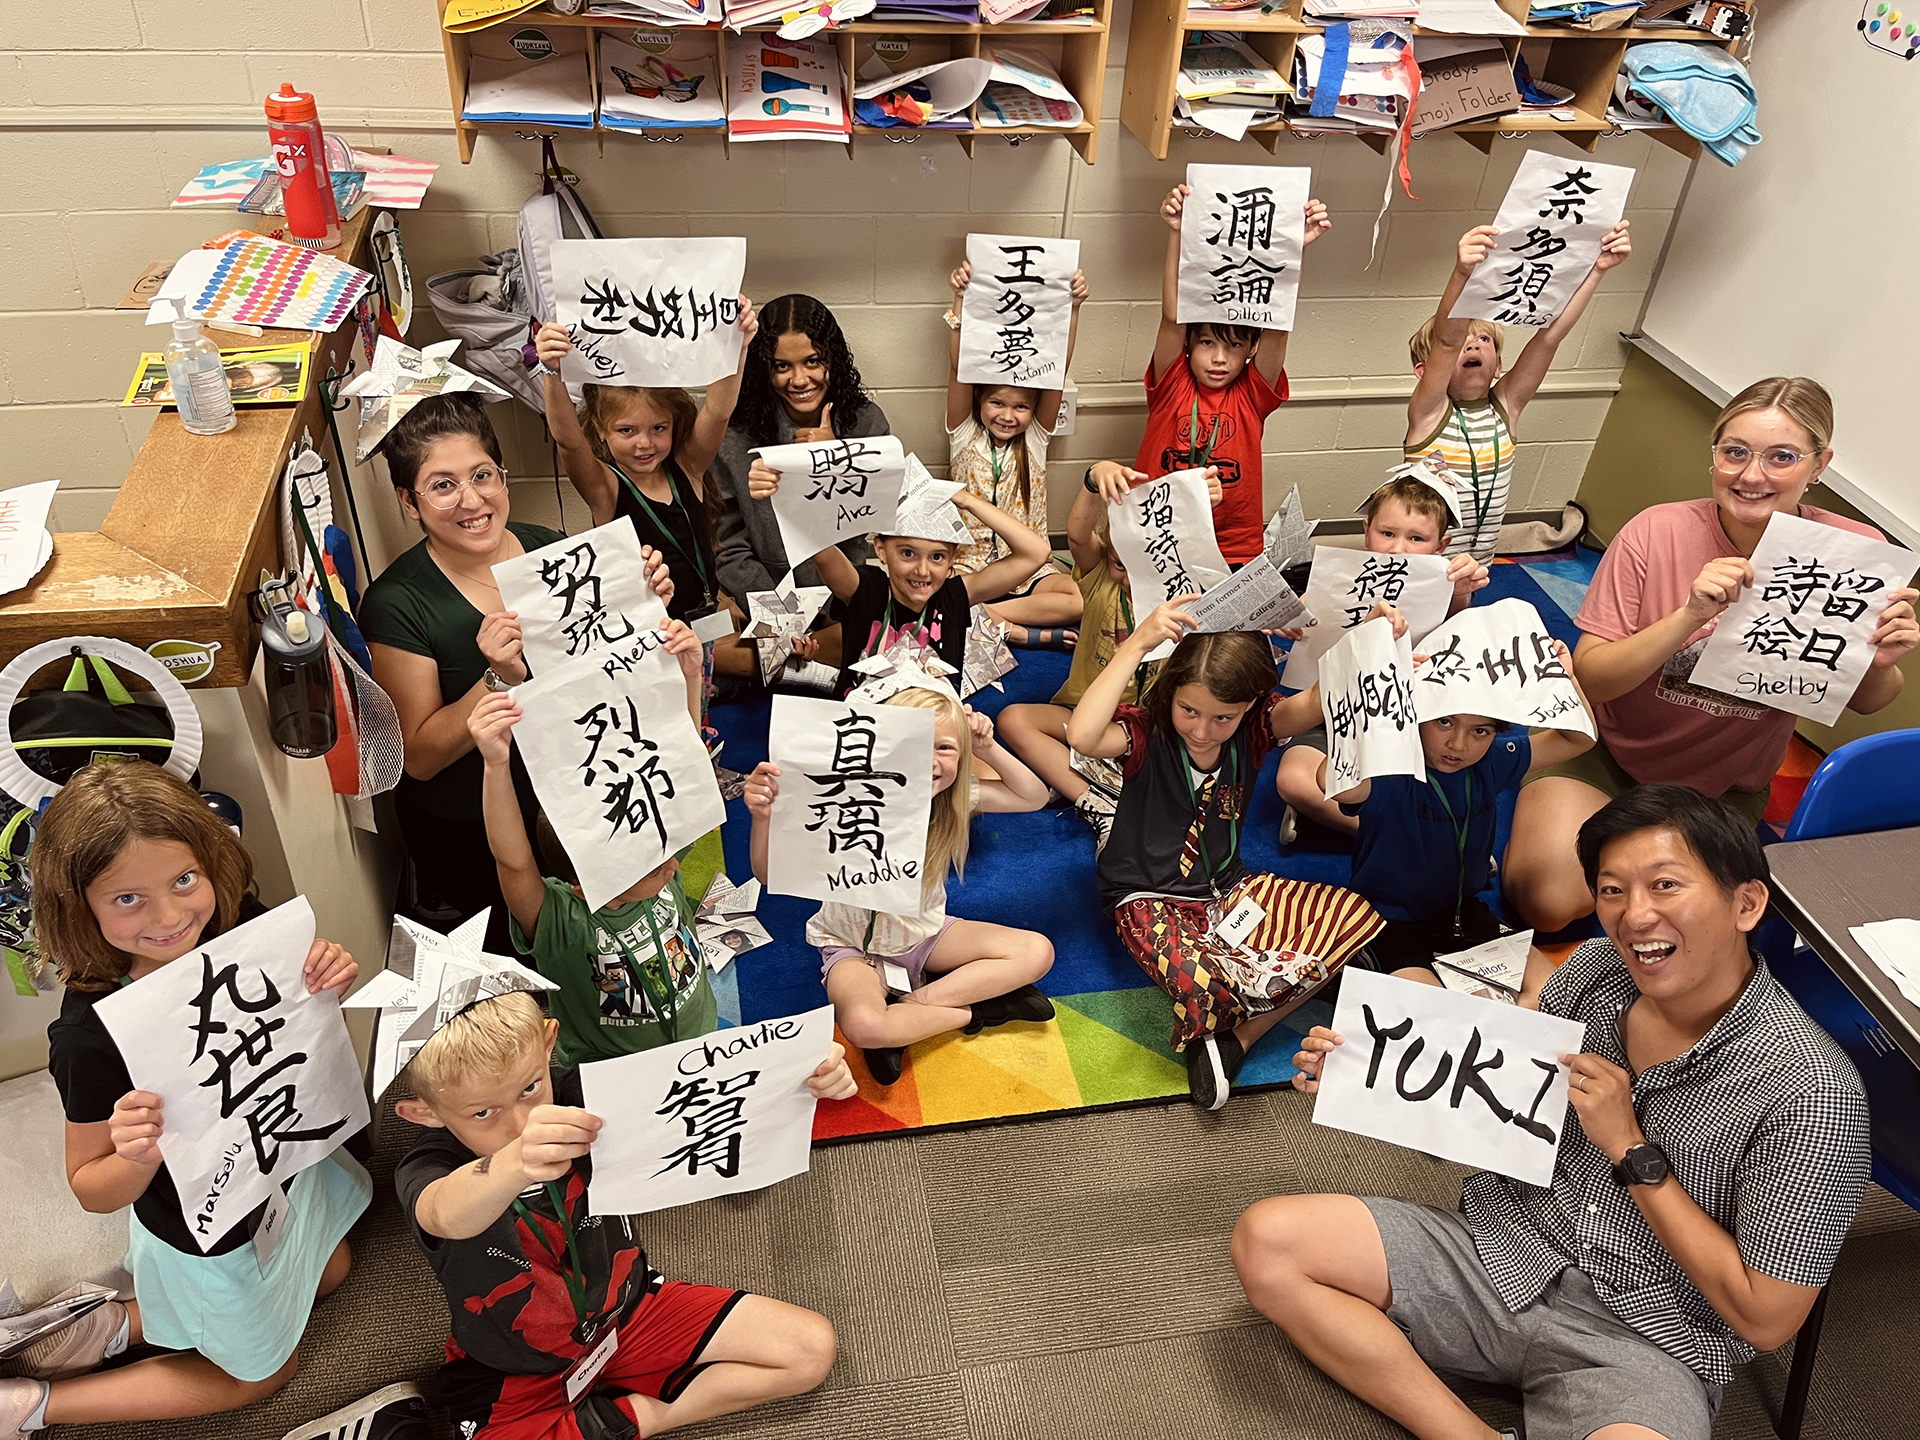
(805, 101)
(1334, 10)
(462, 16)
(1024, 91)
(796, 19)
(944, 91)
(261, 375)
(1362, 84)
(674, 90)
(1583, 14)
(266, 198)
(1216, 65)
(1007, 12)
(261, 282)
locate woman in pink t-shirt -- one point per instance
(1660, 587)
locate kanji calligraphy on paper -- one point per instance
(649, 312)
(1447, 1074)
(1346, 584)
(1241, 235)
(1366, 698)
(834, 490)
(579, 596)
(1163, 534)
(257, 1078)
(856, 792)
(717, 1115)
(1497, 660)
(1018, 310)
(1800, 637)
(1551, 224)
(617, 764)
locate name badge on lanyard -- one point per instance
(588, 1369)
(1239, 922)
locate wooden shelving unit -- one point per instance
(1078, 52)
(1584, 61)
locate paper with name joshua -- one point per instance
(649, 312)
(1498, 660)
(834, 490)
(1449, 1075)
(1551, 223)
(1800, 638)
(1346, 584)
(1241, 234)
(1163, 534)
(25, 545)
(581, 595)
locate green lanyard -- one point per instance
(1141, 679)
(697, 560)
(996, 457)
(1213, 438)
(571, 1272)
(886, 623)
(1481, 503)
(661, 995)
(1460, 827)
(1227, 775)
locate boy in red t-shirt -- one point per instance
(1212, 410)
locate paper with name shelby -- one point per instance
(1241, 234)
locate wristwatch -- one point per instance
(1645, 1164)
(494, 682)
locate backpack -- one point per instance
(556, 213)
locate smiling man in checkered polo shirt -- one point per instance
(1696, 1208)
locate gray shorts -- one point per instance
(1314, 739)
(1578, 1367)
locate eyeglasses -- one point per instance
(443, 492)
(1776, 460)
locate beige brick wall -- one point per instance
(108, 106)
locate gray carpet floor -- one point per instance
(1059, 1280)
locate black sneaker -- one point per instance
(395, 1413)
(1026, 1003)
(1212, 1064)
(886, 1063)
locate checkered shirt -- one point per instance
(1766, 1125)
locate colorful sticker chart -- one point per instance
(262, 282)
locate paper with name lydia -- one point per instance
(1241, 234)
(1017, 312)
(1449, 1075)
(716, 1115)
(581, 595)
(649, 312)
(1346, 584)
(1366, 699)
(1163, 534)
(1551, 224)
(835, 490)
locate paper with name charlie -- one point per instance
(1800, 638)
(1498, 660)
(1163, 534)
(1241, 235)
(1466, 1079)
(649, 312)
(715, 1115)
(834, 490)
(1346, 584)
(1366, 699)
(1551, 224)
(1017, 311)
(581, 595)
(256, 1077)
(856, 791)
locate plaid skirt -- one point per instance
(1214, 985)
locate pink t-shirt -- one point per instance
(1666, 728)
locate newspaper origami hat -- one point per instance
(1431, 471)
(779, 617)
(903, 665)
(1289, 534)
(988, 655)
(927, 511)
(400, 379)
(429, 979)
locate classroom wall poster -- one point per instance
(1346, 584)
(583, 594)
(649, 312)
(1551, 223)
(1017, 311)
(1241, 237)
(1366, 698)
(834, 490)
(1163, 534)
(1498, 660)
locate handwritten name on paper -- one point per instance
(1366, 699)
(1241, 236)
(1017, 313)
(1498, 660)
(1551, 223)
(835, 490)
(649, 312)
(1163, 534)
(581, 596)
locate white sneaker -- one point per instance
(18, 1400)
(1096, 807)
(74, 1349)
(355, 1421)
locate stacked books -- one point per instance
(1223, 86)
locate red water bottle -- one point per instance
(300, 155)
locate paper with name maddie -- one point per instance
(1551, 223)
(581, 595)
(1366, 699)
(1346, 584)
(1450, 1075)
(1254, 597)
(834, 490)
(1163, 534)
(1241, 235)
(1800, 638)
(257, 1078)
(1017, 311)
(716, 1115)
(617, 764)
(649, 312)
(1498, 660)
(856, 791)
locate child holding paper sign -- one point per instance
(132, 871)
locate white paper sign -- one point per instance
(1366, 698)
(617, 763)
(1254, 597)
(716, 1115)
(1017, 311)
(856, 792)
(580, 596)
(1800, 637)
(649, 312)
(1449, 1075)
(1241, 235)
(834, 490)
(1551, 223)
(257, 1078)
(1346, 584)
(25, 545)
(1498, 660)
(1163, 534)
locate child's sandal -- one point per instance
(1060, 639)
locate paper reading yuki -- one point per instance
(1163, 534)
(1346, 584)
(1551, 223)
(716, 1115)
(834, 490)
(1017, 311)
(649, 312)
(581, 595)
(256, 1077)
(1241, 235)
(1800, 638)
(1498, 660)
(1449, 1075)
(856, 791)
(617, 764)
(1366, 698)
(1254, 597)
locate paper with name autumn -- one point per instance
(716, 1115)
(1551, 223)
(1241, 236)
(1366, 699)
(1450, 1075)
(1163, 534)
(856, 792)
(1800, 638)
(1346, 584)
(834, 490)
(1498, 660)
(649, 312)
(257, 1078)
(1017, 312)
(581, 595)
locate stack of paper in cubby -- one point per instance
(786, 90)
(548, 83)
(1371, 89)
(1328, 10)
(939, 96)
(957, 12)
(678, 88)
(1225, 87)
(656, 12)
(1024, 91)
(1006, 12)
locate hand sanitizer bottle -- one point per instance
(198, 379)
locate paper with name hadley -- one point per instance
(1449, 1075)
(1346, 584)
(581, 595)
(1241, 234)
(1163, 534)
(1551, 223)
(1017, 312)
(649, 312)
(856, 792)
(834, 490)
(716, 1115)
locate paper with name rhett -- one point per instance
(581, 595)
